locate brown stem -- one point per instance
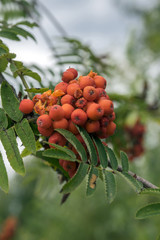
(146, 183)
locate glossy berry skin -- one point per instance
(68, 99)
(57, 138)
(63, 123)
(85, 81)
(26, 106)
(61, 86)
(100, 82)
(44, 121)
(73, 70)
(79, 117)
(56, 112)
(72, 88)
(68, 109)
(89, 93)
(107, 106)
(95, 112)
(92, 126)
(67, 76)
(47, 132)
(72, 128)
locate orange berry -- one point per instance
(57, 138)
(67, 76)
(26, 106)
(56, 112)
(68, 109)
(102, 133)
(95, 111)
(71, 173)
(63, 123)
(68, 99)
(73, 81)
(90, 93)
(69, 165)
(111, 117)
(100, 93)
(81, 102)
(79, 117)
(92, 126)
(45, 131)
(74, 71)
(72, 88)
(104, 122)
(61, 86)
(44, 121)
(100, 82)
(107, 106)
(72, 128)
(110, 129)
(85, 81)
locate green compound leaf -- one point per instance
(3, 176)
(37, 90)
(150, 191)
(28, 24)
(25, 151)
(148, 211)
(112, 157)
(74, 141)
(3, 120)
(26, 135)
(8, 139)
(132, 181)
(101, 152)
(76, 180)
(89, 144)
(22, 32)
(124, 160)
(10, 103)
(110, 186)
(3, 64)
(55, 153)
(8, 34)
(63, 149)
(91, 182)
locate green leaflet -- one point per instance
(55, 153)
(25, 152)
(3, 64)
(3, 120)
(112, 157)
(8, 139)
(3, 176)
(148, 211)
(76, 180)
(89, 144)
(63, 149)
(20, 31)
(28, 24)
(74, 141)
(9, 34)
(110, 186)
(91, 181)
(37, 90)
(150, 191)
(101, 152)
(10, 103)
(132, 181)
(26, 135)
(124, 160)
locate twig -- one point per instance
(146, 183)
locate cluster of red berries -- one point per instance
(135, 136)
(9, 228)
(82, 101)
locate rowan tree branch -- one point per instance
(145, 183)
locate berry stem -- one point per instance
(25, 84)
